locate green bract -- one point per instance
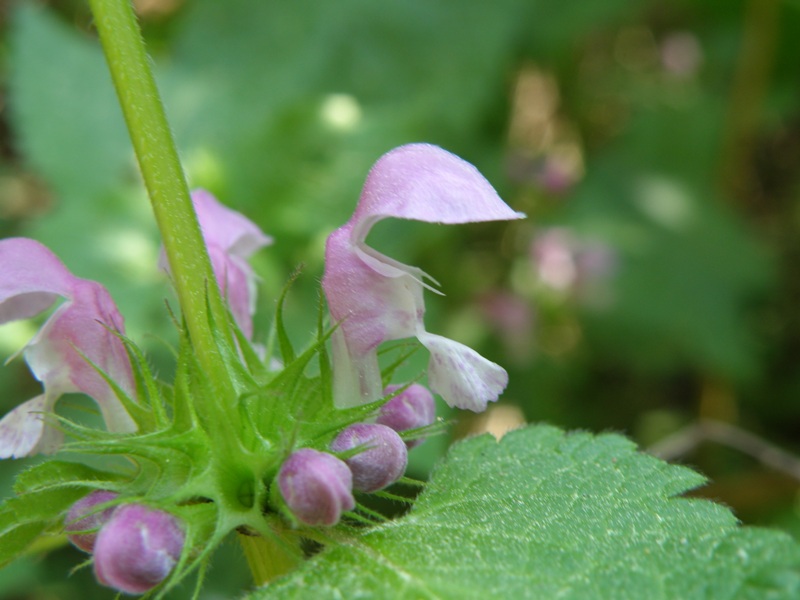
(208, 459)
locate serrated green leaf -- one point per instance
(544, 514)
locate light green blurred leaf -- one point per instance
(65, 112)
(70, 127)
(688, 267)
(24, 518)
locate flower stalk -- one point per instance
(234, 444)
(268, 558)
(165, 181)
(202, 306)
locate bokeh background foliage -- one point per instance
(654, 146)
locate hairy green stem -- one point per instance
(165, 181)
(202, 306)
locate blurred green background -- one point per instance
(654, 145)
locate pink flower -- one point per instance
(31, 279)
(572, 266)
(231, 239)
(373, 298)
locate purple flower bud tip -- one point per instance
(137, 548)
(316, 486)
(382, 462)
(90, 522)
(413, 407)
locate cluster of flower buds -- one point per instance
(317, 487)
(134, 547)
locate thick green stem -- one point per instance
(268, 558)
(166, 184)
(190, 266)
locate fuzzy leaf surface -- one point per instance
(545, 514)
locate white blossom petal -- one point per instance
(461, 376)
(23, 431)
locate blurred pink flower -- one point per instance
(550, 174)
(513, 318)
(231, 239)
(681, 54)
(566, 264)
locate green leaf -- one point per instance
(17, 537)
(65, 111)
(24, 518)
(544, 514)
(45, 492)
(287, 351)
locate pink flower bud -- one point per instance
(413, 407)
(316, 486)
(137, 548)
(383, 460)
(94, 520)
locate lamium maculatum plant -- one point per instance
(283, 452)
(295, 453)
(235, 443)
